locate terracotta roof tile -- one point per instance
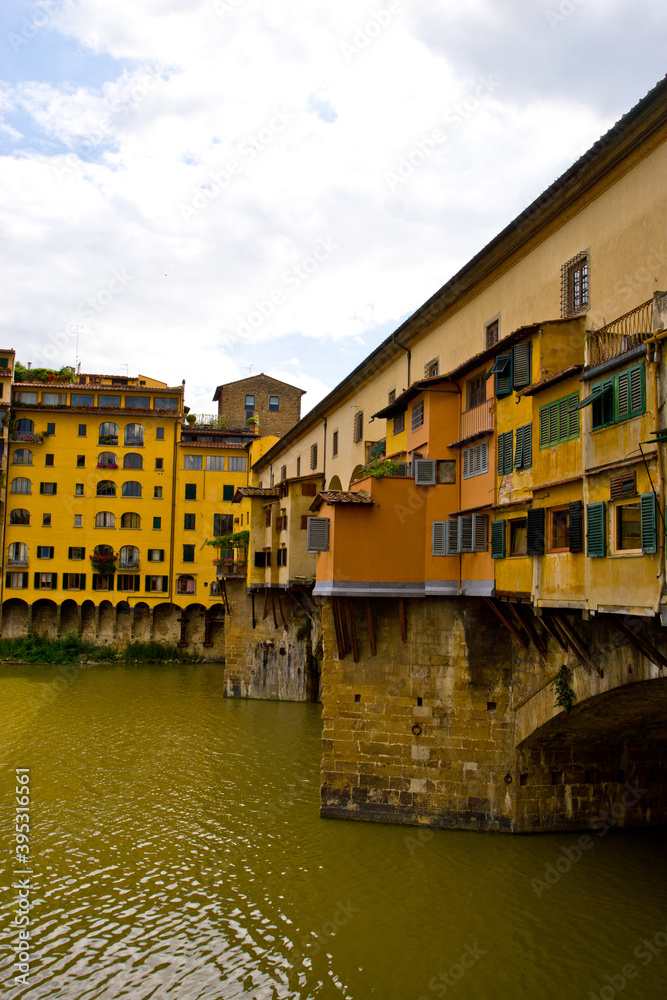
(341, 496)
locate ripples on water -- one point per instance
(179, 853)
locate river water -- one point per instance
(177, 852)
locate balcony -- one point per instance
(20, 562)
(129, 564)
(207, 422)
(28, 436)
(478, 420)
(616, 338)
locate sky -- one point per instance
(207, 189)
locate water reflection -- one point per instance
(179, 853)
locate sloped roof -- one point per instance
(341, 496)
(255, 491)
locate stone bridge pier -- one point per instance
(443, 712)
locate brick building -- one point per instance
(276, 404)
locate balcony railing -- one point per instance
(628, 331)
(478, 420)
(208, 422)
(132, 564)
(18, 562)
(26, 436)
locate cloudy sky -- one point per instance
(201, 186)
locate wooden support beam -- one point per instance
(266, 603)
(371, 630)
(401, 616)
(551, 628)
(343, 626)
(577, 645)
(525, 618)
(282, 613)
(506, 619)
(252, 602)
(273, 608)
(353, 631)
(641, 643)
(337, 629)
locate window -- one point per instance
(103, 400)
(237, 463)
(46, 520)
(22, 456)
(228, 492)
(51, 429)
(250, 402)
(105, 519)
(267, 517)
(131, 489)
(559, 529)
(190, 491)
(298, 464)
(391, 396)
(491, 332)
(628, 527)
(133, 460)
(130, 520)
(19, 516)
(74, 581)
(505, 456)
(159, 464)
(622, 486)
(476, 391)
(45, 581)
(165, 404)
(134, 434)
(432, 368)
(308, 489)
(48, 489)
(399, 423)
(523, 452)
(102, 581)
(18, 554)
(193, 462)
(262, 559)
(313, 456)
(617, 398)
(105, 488)
(476, 460)
(518, 537)
(159, 433)
(574, 276)
(78, 489)
(25, 426)
(559, 421)
(83, 430)
(317, 534)
(156, 555)
(512, 370)
(223, 524)
(466, 533)
(80, 461)
(157, 492)
(281, 557)
(78, 520)
(107, 460)
(82, 399)
(21, 486)
(417, 415)
(215, 463)
(126, 582)
(157, 584)
(28, 397)
(157, 523)
(283, 473)
(108, 433)
(188, 553)
(76, 552)
(128, 557)
(17, 581)
(185, 585)
(53, 399)
(189, 522)
(274, 403)
(137, 403)
(358, 427)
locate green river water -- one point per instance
(177, 852)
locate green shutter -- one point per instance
(8, 579)
(504, 377)
(37, 579)
(95, 578)
(228, 493)
(190, 491)
(576, 526)
(623, 396)
(82, 577)
(148, 583)
(69, 552)
(535, 532)
(497, 539)
(137, 582)
(25, 579)
(648, 521)
(595, 529)
(518, 450)
(501, 454)
(637, 394)
(573, 416)
(528, 446)
(161, 551)
(216, 525)
(165, 584)
(544, 427)
(509, 436)
(39, 551)
(41, 488)
(522, 359)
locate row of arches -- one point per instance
(109, 432)
(19, 516)
(105, 487)
(105, 460)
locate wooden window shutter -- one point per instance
(480, 532)
(648, 524)
(82, 581)
(37, 575)
(452, 537)
(317, 539)
(504, 376)
(623, 395)
(518, 451)
(25, 579)
(465, 533)
(165, 584)
(438, 538)
(636, 390)
(147, 586)
(190, 491)
(483, 450)
(65, 581)
(95, 580)
(535, 531)
(576, 526)
(228, 493)
(527, 457)
(8, 579)
(39, 551)
(424, 471)
(624, 485)
(69, 552)
(497, 539)
(467, 462)
(137, 582)
(573, 416)
(595, 529)
(522, 359)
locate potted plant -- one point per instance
(191, 418)
(104, 563)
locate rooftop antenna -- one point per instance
(250, 368)
(122, 364)
(77, 363)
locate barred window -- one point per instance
(574, 277)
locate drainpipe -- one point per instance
(177, 424)
(655, 361)
(408, 352)
(324, 456)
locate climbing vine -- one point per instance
(565, 696)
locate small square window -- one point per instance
(399, 423)
(46, 520)
(159, 464)
(189, 522)
(78, 520)
(574, 285)
(250, 402)
(313, 456)
(157, 492)
(628, 527)
(80, 461)
(50, 429)
(78, 489)
(334, 445)
(48, 460)
(274, 403)
(491, 333)
(157, 523)
(159, 433)
(518, 537)
(190, 491)
(188, 553)
(476, 391)
(83, 430)
(432, 368)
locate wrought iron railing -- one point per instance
(477, 420)
(628, 331)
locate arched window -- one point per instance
(25, 426)
(103, 550)
(19, 516)
(108, 433)
(131, 489)
(22, 456)
(134, 434)
(129, 557)
(107, 460)
(105, 488)
(18, 554)
(130, 521)
(185, 585)
(133, 461)
(21, 486)
(105, 519)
